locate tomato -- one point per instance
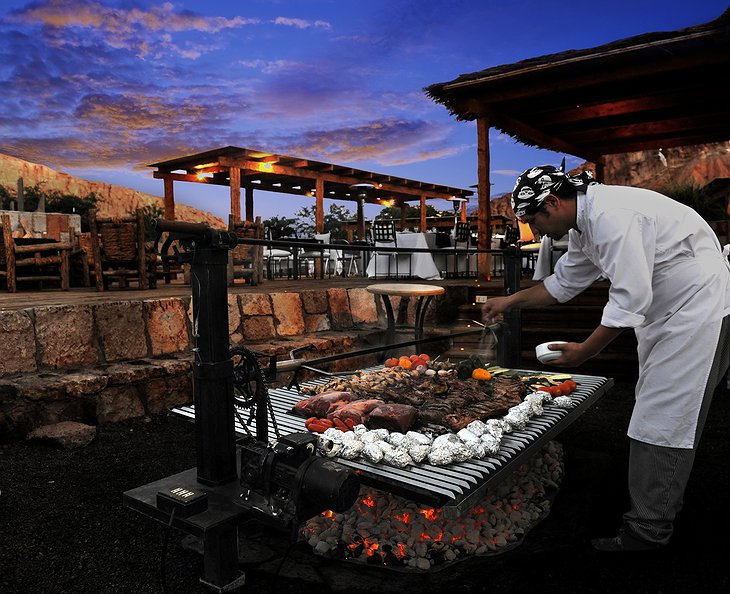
(565, 388)
(572, 384)
(425, 357)
(405, 363)
(555, 391)
(392, 362)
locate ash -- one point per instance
(385, 529)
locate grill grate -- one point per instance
(458, 486)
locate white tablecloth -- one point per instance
(549, 253)
(421, 263)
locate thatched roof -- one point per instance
(645, 92)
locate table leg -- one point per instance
(390, 331)
(421, 308)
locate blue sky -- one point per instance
(100, 88)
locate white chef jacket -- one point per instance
(669, 281)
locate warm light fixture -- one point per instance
(526, 234)
(265, 167)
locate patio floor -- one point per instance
(26, 298)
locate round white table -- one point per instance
(424, 293)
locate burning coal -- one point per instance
(385, 529)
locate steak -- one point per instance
(322, 404)
(393, 417)
(357, 410)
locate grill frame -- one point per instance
(457, 487)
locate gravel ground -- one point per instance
(64, 528)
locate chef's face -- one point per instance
(550, 220)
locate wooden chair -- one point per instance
(39, 261)
(246, 261)
(119, 252)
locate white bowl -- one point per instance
(545, 355)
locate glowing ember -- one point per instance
(386, 529)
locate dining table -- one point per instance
(417, 264)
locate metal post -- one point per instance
(510, 347)
(213, 369)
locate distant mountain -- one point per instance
(114, 201)
(696, 165)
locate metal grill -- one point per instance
(457, 487)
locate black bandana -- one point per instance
(536, 184)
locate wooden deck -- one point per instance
(26, 298)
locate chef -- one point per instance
(670, 282)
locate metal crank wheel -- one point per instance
(250, 392)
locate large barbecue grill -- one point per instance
(240, 475)
(455, 487)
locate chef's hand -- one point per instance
(574, 354)
(493, 308)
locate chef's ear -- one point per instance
(551, 200)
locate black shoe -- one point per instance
(623, 542)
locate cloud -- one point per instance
(388, 142)
(146, 32)
(301, 23)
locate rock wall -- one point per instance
(114, 201)
(107, 362)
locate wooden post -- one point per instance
(235, 180)
(319, 208)
(361, 219)
(249, 203)
(463, 212)
(169, 199)
(21, 195)
(483, 189)
(403, 209)
(422, 226)
(601, 169)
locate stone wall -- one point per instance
(106, 362)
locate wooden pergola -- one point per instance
(651, 91)
(250, 170)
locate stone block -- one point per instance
(316, 322)
(255, 304)
(65, 335)
(66, 434)
(16, 419)
(167, 326)
(84, 384)
(16, 330)
(288, 316)
(180, 389)
(314, 302)
(139, 370)
(118, 403)
(121, 328)
(234, 318)
(339, 308)
(41, 386)
(258, 328)
(363, 307)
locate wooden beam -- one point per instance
(422, 225)
(273, 168)
(189, 178)
(505, 122)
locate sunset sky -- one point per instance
(101, 89)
